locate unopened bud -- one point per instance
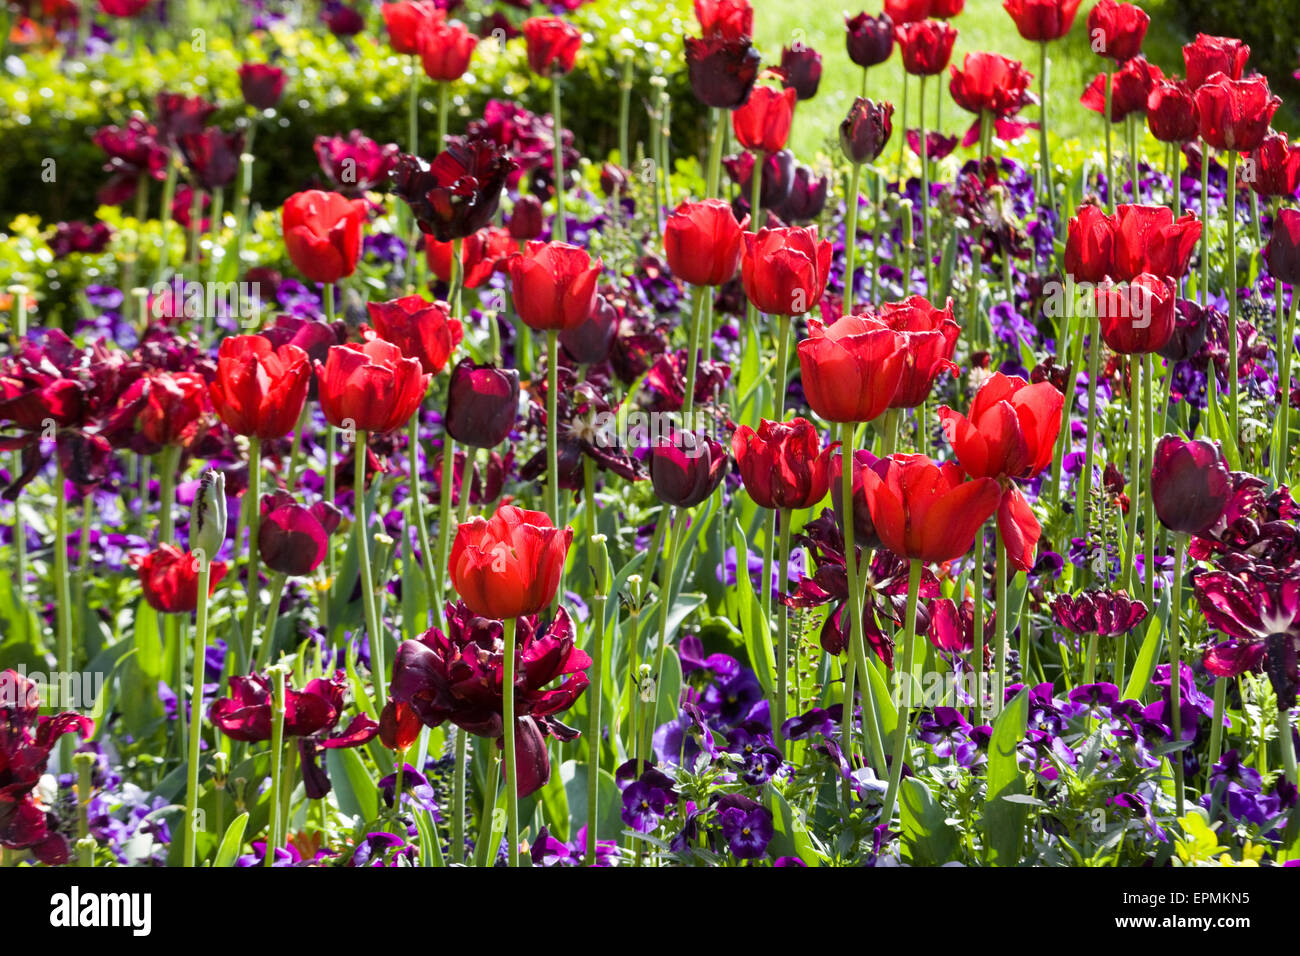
(208, 513)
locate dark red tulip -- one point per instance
(702, 241)
(1137, 317)
(134, 150)
(946, 9)
(801, 70)
(1283, 250)
(1235, 114)
(169, 578)
(926, 46)
(408, 24)
(123, 8)
(1276, 167)
(458, 193)
(784, 271)
(870, 40)
(1116, 30)
(1190, 328)
(783, 464)
(262, 85)
(589, 342)
(1261, 607)
(1011, 430)
(312, 336)
(553, 44)
(371, 387)
(1130, 89)
(212, 157)
(293, 539)
(1171, 112)
(88, 239)
(851, 369)
(866, 130)
(1190, 485)
(1148, 239)
(931, 336)
(731, 19)
(722, 72)
(925, 511)
(259, 389)
(448, 48)
(177, 115)
(1042, 20)
(1104, 613)
(343, 21)
(991, 83)
(864, 532)
(422, 330)
(355, 164)
(1208, 55)
(322, 234)
(777, 178)
(554, 285)
(686, 468)
(807, 196)
(1234, 657)
(481, 404)
(1090, 244)
(509, 565)
(159, 409)
(762, 124)
(526, 219)
(482, 254)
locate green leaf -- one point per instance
(927, 839)
(231, 843)
(1220, 430)
(758, 639)
(670, 693)
(355, 791)
(1004, 821)
(1145, 665)
(790, 835)
(609, 822)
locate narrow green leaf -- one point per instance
(1004, 821)
(231, 843)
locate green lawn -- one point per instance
(983, 26)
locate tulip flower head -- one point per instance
(702, 241)
(1116, 30)
(686, 468)
(1235, 114)
(509, 565)
(322, 234)
(926, 46)
(785, 270)
(482, 401)
(762, 124)
(852, 369)
(553, 45)
(554, 285)
(422, 330)
(260, 389)
(1190, 484)
(169, 578)
(1208, 55)
(783, 464)
(866, 130)
(370, 387)
(869, 40)
(1042, 20)
(458, 193)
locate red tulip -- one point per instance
(169, 578)
(1276, 167)
(1208, 55)
(991, 83)
(930, 337)
(259, 389)
(763, 122)
(1042, 20)
(481, 254)
(852, 368)
(554, 285)
(946, 9)
(1117, 29)
(552, 45)
(925, 511)
(1011, 431)
(423, 331)
(1137, 317)
(447, 50)
(702, 242)
(161, 408)
(1130, 89)
(121, 8)
(322, 233)
(408, 24)
(509, 565)
(783, 464)
(907, 11)
(1235, 114)
(1171, 112)
(1283, 249)
(370, 387)
(1090, 244)
(261, 84)
(926, 46)
(785, 270)
(1147, 239)
(729, 19)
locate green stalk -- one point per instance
(254, 554)
(1084, 487)
(783, 630)
(165, 214)
(561, 227)
(1175, 665)
(1067, 407)
(1135, 468)
(413, 108)
(1288, 747)
(552, 388)
(925, 189)
(1110, 154)
(417, 509)
(900, 733)
(598, 561)
(444, 110)
(1216, 724)
(63, 596)
(196, 711)
(1048, 191)
(698, 294)
(1235, 421)
(508, 733)
(902, 140)
(1286, 348)
(851, 235)
(778, 413)
(168, 462)
(444, 523)
(458, 799)
(1148, 454)
(977, 650)
(715, 152)
(1000, 625)
(276, 822)
(624, 106)
(677, 522)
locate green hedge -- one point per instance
(50, 110)
(1271, 27)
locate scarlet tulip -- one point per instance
(261, 84)
(322, 234)
(732, 19)
(481, 254)
(762, 124)
(722, 71)
(851, 369)
(1137, 317)
(509, 565)
(1130, 89)
(946, 9)
(481, 404)
(1148, 239)
(702, 242)
(260, 389)
(1171, 112)
(447, 50)
(423, 331)
(554, 285)
(169, 578)
(1011, 431)
(1190, 484)
(926, 46)
(1283, 250)
(925, 511)
(785, 270)
(371, 388)
(1235, 114)
(1117, 29)
(931, 336)
(1042, 20)
(907, 11)
(1277, 167)
(1208, 55)
(991, 83)
(552, 45)
(1090, 244)
(408, 24)
(869, 40)
(783, 464)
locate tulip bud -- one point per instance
(208, 514)
(685, 468)
(526, 218)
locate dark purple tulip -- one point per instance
(722, 71)
(1189, 332)
(807, 196)
(866, 130)
(1189, 484)
(212, 157)
(801, 70)
(342, 20)
(70, 237)
(589, 342)
(293, 539)
(1104, 613)
(864, 530)
(870, 40)
(686, 467)
(481, 403)
(777, 177)
(458, 192)
(355, 164)
(526, 220)
(1264, 610)
(134, 150)
(952, 628)
(261, 84)
(1283, 250)
(179, 115)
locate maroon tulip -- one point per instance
(926, 46)
(722, 71)
(481, 404)
(801, 70)
(526, 219)
(1262, 608)
(864, 532)
(458, 193)
(88, 239)
(1189, 484)
(783, 464)
(343, 21)
(261, 84)
(292, 539)
(355, 164)
(1283, 249)
(777, 178)
(952, 628)
(1171, 112)
(686, 468)
(178, 115)
(133, 151)
(212, 157)
(589, 342)
(1094, 611)
(1208, 55)
(1117, 29)
(1276, 166)
(1235, 114)
(1137, 317)
(866, 130)
(870, 40)
(807, 196)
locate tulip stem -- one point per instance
(444, 109)
(1205, 223)
(1064, 350)
(1234, 423)
(329, 552)
(561, 228)
(1286, 348)
(1132, 132)
(62, 595)
(1046, 158)
(1083, 489)
(508, 736)
(782, 366)
(168, 463)
(275, 822)
(417, 512)
(902, 148)
(598, 561)
(900, 732)
(783, 628)
(1148, 456)
(278, 582)
(445, 479)
(1216, 724)
(676, 520)
(715, 153)
(196, 708)
(1285, 738)
(698, 294)
(925, 189)
(413, 108)
(1110, 153)
(851, 235)
(458, 798)
(377, 670)
(977, 648)
(552, 467)
(254, 500)
(1000, 621)
(1176, 665)
(1134, 466)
